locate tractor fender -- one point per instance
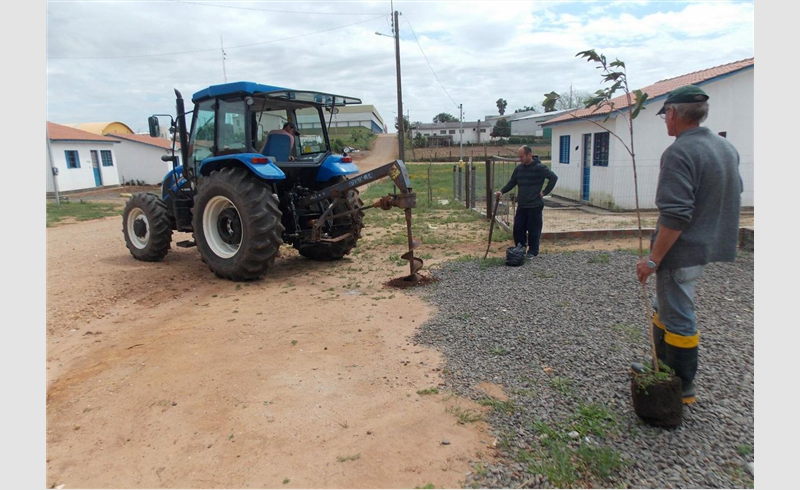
(172, 182)
(266, 170)
(333, 166)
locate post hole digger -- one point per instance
(244, 186)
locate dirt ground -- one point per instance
(161, 375)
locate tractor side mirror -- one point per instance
(155, 130)
(334, 110)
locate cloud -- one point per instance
(481, 51)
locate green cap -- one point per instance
(683, 95)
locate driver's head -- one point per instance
(291, 129)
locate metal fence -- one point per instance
(610, 187)
(475, 183)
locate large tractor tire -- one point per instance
(147, 226)
(353, 223)
(237, 224)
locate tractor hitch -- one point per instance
(405, 200)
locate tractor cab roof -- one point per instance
(272, 92)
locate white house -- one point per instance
(532, 125)
(83, 160)
(593, 166)
(139, 158)
(447, 134)
(366, 116)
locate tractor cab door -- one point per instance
(231, 131)
(201, 144)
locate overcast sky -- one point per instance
(115, 61)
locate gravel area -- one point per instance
(559, 334)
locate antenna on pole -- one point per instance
(222, 48)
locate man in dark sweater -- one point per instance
(698, 199)
(529, 176)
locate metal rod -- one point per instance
(400, 126)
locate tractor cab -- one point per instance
(248, 118)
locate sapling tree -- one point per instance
(615, 73)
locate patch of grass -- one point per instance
(428, 391)
(465, 416)
(564, 466)
(294, 342)
(492, 262)
(428, 485)
(562, 385)
(557, 463)
(503, 406)
(744, 449)
(499, 351)
(80, 211)
(479, 469)
(600, 259)
(601, 461)
(593, 419)
(286, 480)
(343, 459)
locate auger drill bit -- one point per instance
(415, 263)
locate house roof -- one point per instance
(149, 140)
(453, 125)
(660, 89)
(58, 132)
(355, 109)
(543, 115)
(103, 128)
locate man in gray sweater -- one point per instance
(698, 199)
(529, 177)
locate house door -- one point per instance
(98, 177)
(586, 162)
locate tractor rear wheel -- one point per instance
(147, 226)
(352, 224)
(237, 224)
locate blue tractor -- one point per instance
(256, 170)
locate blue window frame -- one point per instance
(600, 154)
(563, 150)
(105, 155)
(73, 161)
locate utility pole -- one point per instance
(400, 126)
(461, 132)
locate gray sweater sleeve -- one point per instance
(675, 193)
(551, 182)
(512, 182)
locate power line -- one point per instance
(176, 53)
(428, 62)
(273, 10)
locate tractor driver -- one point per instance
(288, 129)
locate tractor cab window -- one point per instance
(267, 119)
(311, 142)
(231, 133)
(202, 139)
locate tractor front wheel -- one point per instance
(237, 224)
(147, 227)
